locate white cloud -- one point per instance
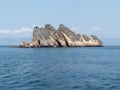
(17, 33)
(105, 33)
(88, 30)
(14, 37)
(97, 28)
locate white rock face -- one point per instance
(48, 36)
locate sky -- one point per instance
(98, 17)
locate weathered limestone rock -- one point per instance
(26, 44)
(48, 36)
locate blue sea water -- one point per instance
(88, 68)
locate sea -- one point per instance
(83, 68)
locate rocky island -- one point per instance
(63, 36)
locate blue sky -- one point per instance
(99, 17)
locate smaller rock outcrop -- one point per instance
(48, 36)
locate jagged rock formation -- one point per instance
(48, 36)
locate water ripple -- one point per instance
(60, 69)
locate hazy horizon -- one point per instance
(100, 18)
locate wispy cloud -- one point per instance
(97, 28)
(17, 33)
(88, 30)
(13, 37)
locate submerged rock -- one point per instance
(48, 36)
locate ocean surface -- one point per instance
(88, 68)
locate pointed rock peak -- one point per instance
(63, 27)
(86, 38)
(49, 27)
(96, 38)
(36, 27)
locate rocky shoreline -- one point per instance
(48, 36)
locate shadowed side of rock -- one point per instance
(48, 36)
